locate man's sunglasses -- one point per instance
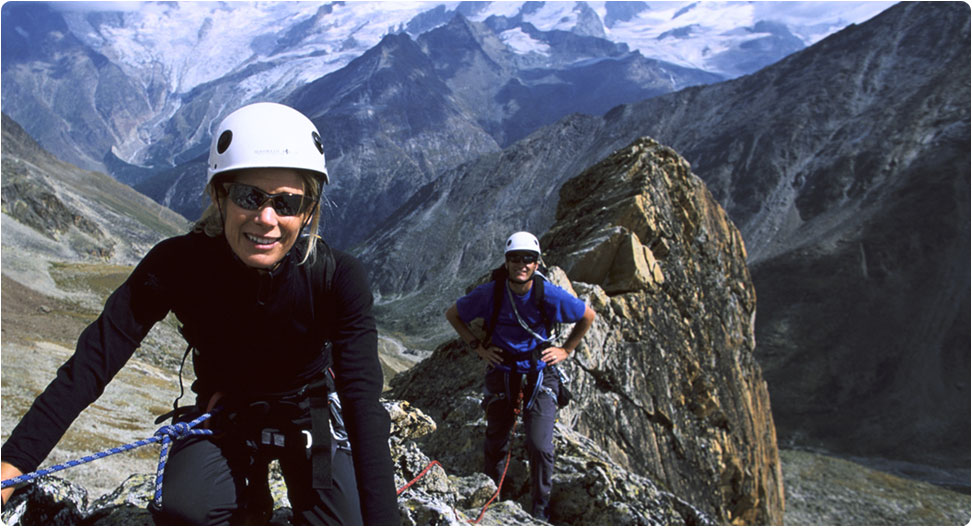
(251, 198)
(528, 258)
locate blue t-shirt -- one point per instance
(561, 307)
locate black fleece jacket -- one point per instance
(254, 331)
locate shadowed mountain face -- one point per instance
(846, 168)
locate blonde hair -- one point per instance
(210, 222)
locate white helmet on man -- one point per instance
(522, 241)
(262, 135)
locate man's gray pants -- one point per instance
(538, 423)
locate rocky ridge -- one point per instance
(665, 383)
(677, 359)
(820, 490)
(604, 493)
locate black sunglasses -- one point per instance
(251, 198)
(525, 258)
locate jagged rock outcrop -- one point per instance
(669, 383)
(34, 203)
(665, 383)
(590, 488)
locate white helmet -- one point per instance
(266, 135)
(522, 241)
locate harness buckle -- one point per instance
(277, 438)
(272, 437)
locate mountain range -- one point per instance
(845, 166)
(136, 93)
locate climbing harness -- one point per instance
(308, 418)
(563, 396)
(165, 436)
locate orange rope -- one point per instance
(424, 471)
(499, 487)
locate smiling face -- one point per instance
(261, 237)
(520, 271)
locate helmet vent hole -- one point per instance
(317, 142)
(224, 141)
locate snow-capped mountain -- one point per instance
(192, 43)
(170, 49)
(135, 90)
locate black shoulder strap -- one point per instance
(498, 276)
(321, 271)
(329, 264)
(538, 294)
(322, 266)
(322, 279)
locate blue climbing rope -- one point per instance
(165, 436)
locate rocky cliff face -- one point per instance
(852, 193)
(669, 382)
(70, 237)
(665, 383)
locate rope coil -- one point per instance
(164, 436)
